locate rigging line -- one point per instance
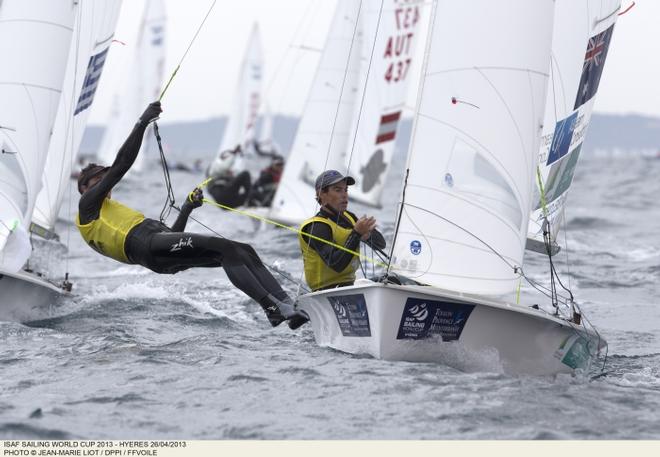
(271, 268)
(72, 107)
(616, 10)
(341, 93)
(277, 224)
(515, 268)
(291, 229)
(280, 65)
(187, 49)
(343, 84)
(364, 88)
(170, 200)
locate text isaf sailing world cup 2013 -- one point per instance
(87, 448)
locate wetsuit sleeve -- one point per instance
(335, 258)
(182, 219)
(90, 203)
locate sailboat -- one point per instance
(35, 38)
(462, 221)
(142, 85)
(355, 104)
(241, 124)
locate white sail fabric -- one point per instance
(581, 37)
(392, 36)
(143, 83)
(324, 130)
(266, 139)
(93, 32)
(475, 141)
(35, 36)
(241, 125)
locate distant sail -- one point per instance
(323, 133)
(474, 144)
(582, 33)
(396, 33)
(94, 29)
(142, 85)
(242, 121)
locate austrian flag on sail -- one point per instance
(387, 128)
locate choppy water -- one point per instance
(137, 355)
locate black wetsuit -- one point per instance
(335, 258)
(231, 191)
(169, 250)
(264, 188)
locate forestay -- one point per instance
(324, 130)
(391, 34)
(93, 32)
(35, 36)
(475, 142)
(142, 85)
(241, 125)
(582, 33)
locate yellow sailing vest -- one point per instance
(317, 274)
(107, 234)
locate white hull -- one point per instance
(26, 296)
(426, 324)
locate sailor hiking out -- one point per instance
(126, 235)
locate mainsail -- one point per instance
(35, 36)
(93, 32)
(241, 125)
(324, 130)
(582, 33)
(391, 32)
(142, 85)
(471, 163)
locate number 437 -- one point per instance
(397, 71)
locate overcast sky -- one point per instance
(204, 85)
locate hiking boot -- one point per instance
(297, 319)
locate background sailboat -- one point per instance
(142, 85)
(464, 211)
(241, 126)
(35, 38)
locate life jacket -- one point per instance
(107, 234)
(317, 274)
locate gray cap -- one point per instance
(330, 177)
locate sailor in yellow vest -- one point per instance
(126, 235)
(327, 266)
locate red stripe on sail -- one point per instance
(385, 137)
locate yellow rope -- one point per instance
(292, 229)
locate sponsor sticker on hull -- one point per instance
(352, 315)
(423, 318)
